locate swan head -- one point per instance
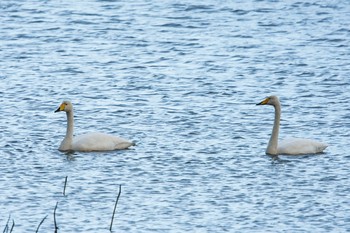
(65, 106)
(271, 100)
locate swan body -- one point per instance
(292, 146)
(90, 141)
(295, 146)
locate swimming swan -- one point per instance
(89, 141)
(295, 146)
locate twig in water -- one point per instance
(13, 225)
(115, 207)
(65, 184)
(37, 230)
(6, 229)
(54, 218)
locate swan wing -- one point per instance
(297, 146)
(99, 142)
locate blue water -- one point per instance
(181, 79)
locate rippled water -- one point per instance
(181, 79)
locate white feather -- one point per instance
(293, 146)
(90, 141)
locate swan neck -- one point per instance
(273, 143)
(70, 124)
(67, 142)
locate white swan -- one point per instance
(295, 146)
(89, 141)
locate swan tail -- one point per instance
(322, 147)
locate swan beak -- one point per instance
(60, 108)
(265, 101)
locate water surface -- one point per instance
(181, 79)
